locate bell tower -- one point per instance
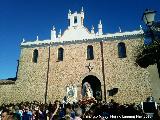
(76, 19)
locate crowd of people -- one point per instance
(76, 111)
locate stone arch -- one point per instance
(95, 85)
(93, 74)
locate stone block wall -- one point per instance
(7, 93)
(133, 82)
(32, 76)
(72, 68)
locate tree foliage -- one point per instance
(149, 55)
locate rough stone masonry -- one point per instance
(47, 79)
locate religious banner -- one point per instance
(71, 93)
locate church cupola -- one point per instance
(76, 19)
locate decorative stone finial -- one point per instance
(100, 22)
(92, 27)
(140, 27)
(23, 40)
(53, 33)
(92, 30)
(60, 32)
(53, 27)
(69, 11)
(100, 31)
(120, 29)
(37, 38)
(59, 35)
(82, 9)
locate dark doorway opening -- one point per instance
(95, 86)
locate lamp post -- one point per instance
(151, 53)
(149, 19)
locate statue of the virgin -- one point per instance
(87, 90)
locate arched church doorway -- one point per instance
(95, 85)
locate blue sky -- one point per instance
(28, 18)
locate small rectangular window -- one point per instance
(121, 50)
(90, 55)
(60, 54)
(35, 56)
(75, 19)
